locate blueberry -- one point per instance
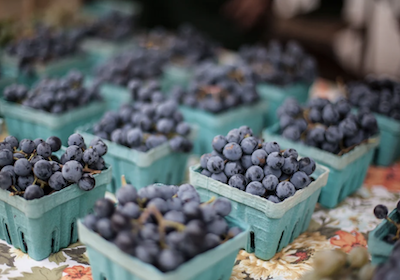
(222, 206)
(259, 157)
(290, 165)
(270, 183)
(246, 161)
(245, 131)
(290, 153)
(233, 136)
(215, 164)
(348, 127)
(314, 115)
(13, 141)
(204, 159)
(268, 170)
(57, 181)
(330, 115)
(27, 146)
(292, 132)
(232, 151)
(249, 145)
(333, 134)
(33, 192)
(22, 167)
(238, 181)
(126, 194)
(43, 169)
(255, 188)
(87, 182)
(232, 168)
(76, 139)
(300, 180)
(285, 190)
(254, 173)
(55, 143)
(271, 147)
(381, 211)
(275, 160)
(72, 171)
(307, 165)
(273, 198)
(220, 177)
(219, 143)
(73, 152)
(104, 208)
(330, 147)
(205, 172)
(316, 135)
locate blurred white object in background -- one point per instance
(355, 12)
(347, 46)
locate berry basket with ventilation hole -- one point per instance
(51, 107)
(181, 245)
(281, 72)
(383, 98)
(381, 240)
(220, 98)
(147, 141)
(41, 205)
(270, 190)
(332, 136)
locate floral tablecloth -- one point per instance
(343, 227)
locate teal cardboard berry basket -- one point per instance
(175, 75)
(272, 225)
(347, 172)
(388, 150)
(211, 125)
(43, 226)
(276, 95)
(101, 49)
(109, 262)
(57, 68)
(24, 122)
(378, 248)
(101, 8)
(159, 165)
(115, 96)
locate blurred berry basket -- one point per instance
(380, 250)
(276, 95)
(347, 172)
(109, 262)
(24, 122)
(388, 150)
(113, 95)
(272, 225)
(141, 169)
(175, 75)
(101, 8)
(214, 124)
(43, 226)
(100, 49)
(56, 68)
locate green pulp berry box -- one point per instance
(96, 9)
(100, 49)
(56, 68)
(276, 95)
(388, 150)
(109, 262)
(272, 225)
(378, 248)
(159, 165)
(175, 75)
(43, 226)
(347, 172)
(209, 124)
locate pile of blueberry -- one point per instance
(328, 126)
(191, 46)
(54, 95)
(141, 64)
(381, 212)
(46, 45)
(147, 123)
(162, 225)
(218, 88)
(380, 96)
(114, 26)
(391, 268)
(260, 168)
(30, 169)
(280, 65)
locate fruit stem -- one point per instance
(88, 170)
(123, 180)
(209, 201)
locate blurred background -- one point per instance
(349, 38)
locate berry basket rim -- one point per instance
(326, 158)
(35, 208)
(270, 209)
(147, 271)
(141, 159)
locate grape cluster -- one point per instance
(331, 127)
(260, 168)
(381, 212)
(280, 65)
(218, 88)
(46, 45)
(141, 64)
(191, 46)
(337, 265)
(162, 225)
(54, 95)
(380, 96)
(114, 26)
(391, 268)
(29, 168)
(147, 123)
